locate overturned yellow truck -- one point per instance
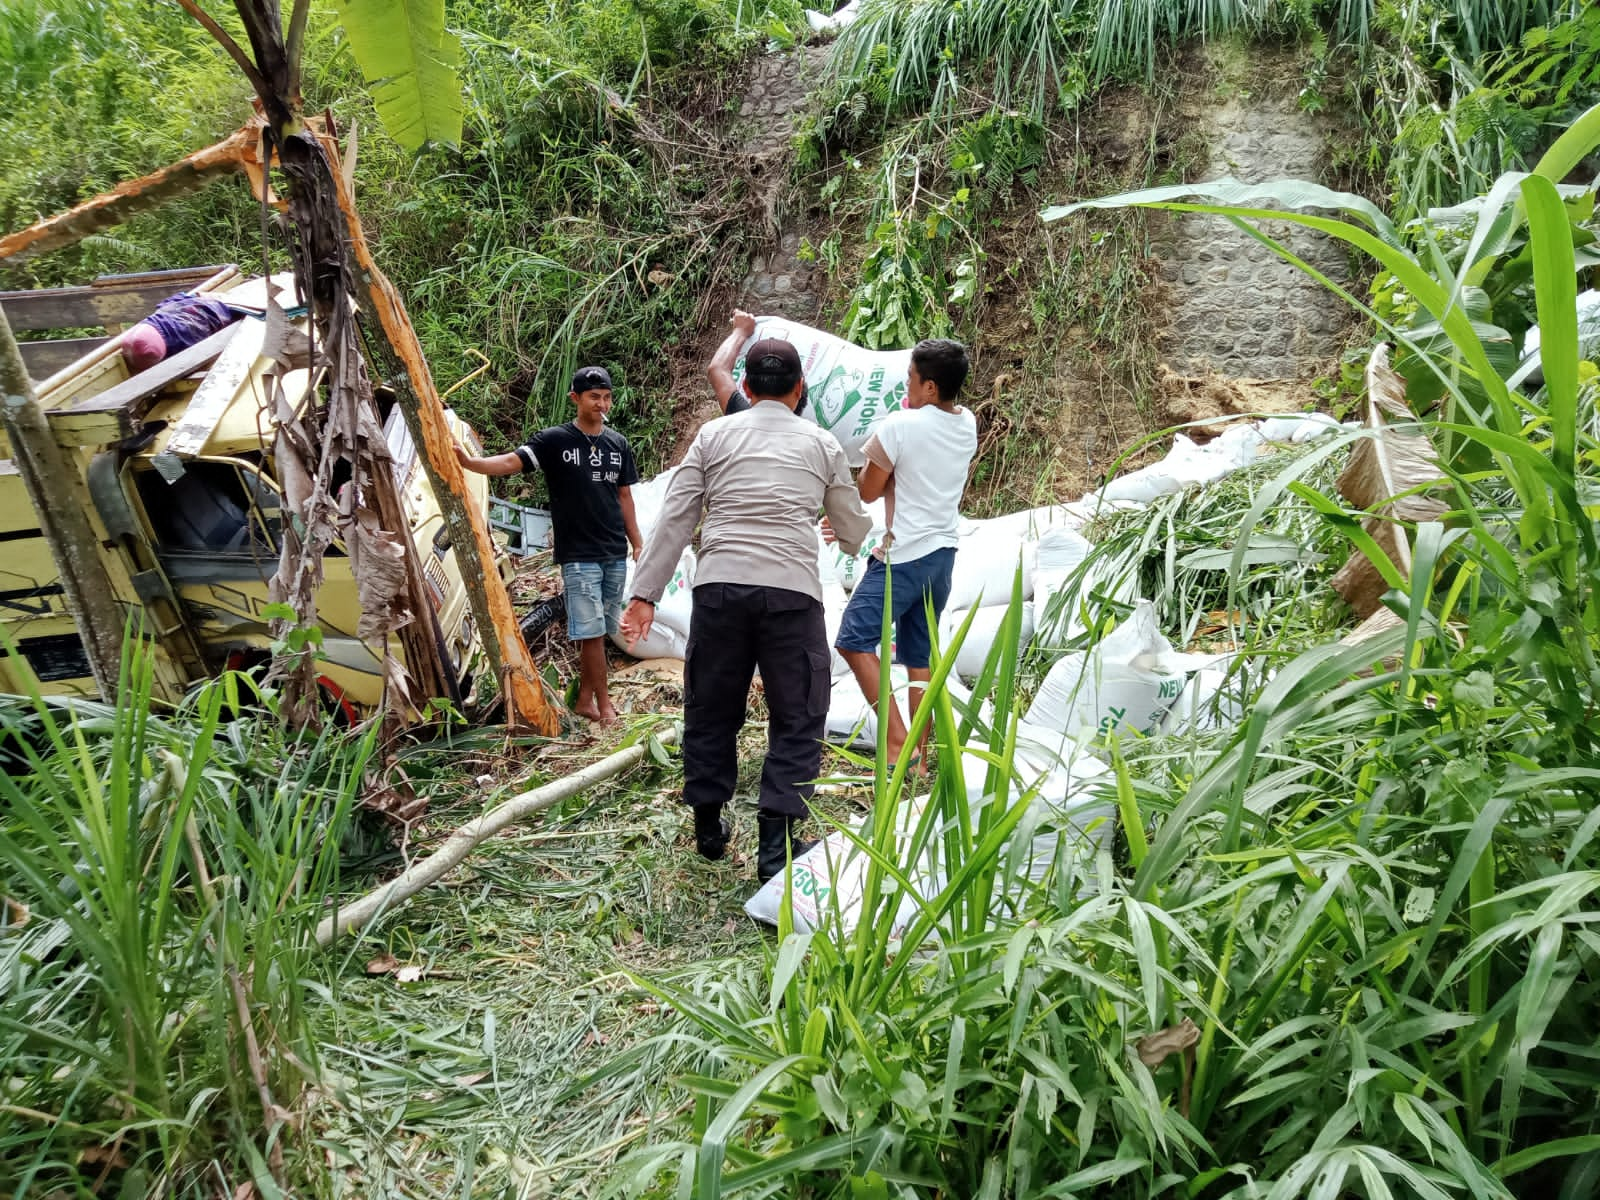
(174, 467)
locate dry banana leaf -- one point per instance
(1383, 477)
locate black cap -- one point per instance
(771, 367)
(589, 378)
(772, 356)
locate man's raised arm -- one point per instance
(720, 369)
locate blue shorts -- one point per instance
(914, 581)
(594, 597)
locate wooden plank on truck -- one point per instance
(177, 276)
(215, 394)
(86, 307)
(122, 404)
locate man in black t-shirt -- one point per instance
(590, 471)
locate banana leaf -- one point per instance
(412, 64)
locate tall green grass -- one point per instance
(1038, 53)
(166, 873)
(1372, 898)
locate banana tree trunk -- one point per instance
(345, 428)
(496, 621)
(334, 264)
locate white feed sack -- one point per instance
(981, 635)
(986, 564)
(1126, 683)
(669, 634)
(1072, 815)
(1066, 607)
(647, 498)
(822, 22)
(1057, 556)
(849, 389)
(1300, 428)
(828, 880)
(1217, 695)
(1028, 525)
(1069, 815)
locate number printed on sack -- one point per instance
(1111, 720)
(808, 884)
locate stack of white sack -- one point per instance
(1186, 465)
(851, 389)
(987, 561)
(841, 570)
(669, 634)
(853, 719)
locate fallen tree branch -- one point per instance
(239, 151)
(355, 917)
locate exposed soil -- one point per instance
(1186, 399)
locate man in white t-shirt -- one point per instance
(917, 459)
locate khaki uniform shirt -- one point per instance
(758, 478)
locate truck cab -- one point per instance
(175, 468)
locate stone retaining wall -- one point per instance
(1235, 306)
(780, 283)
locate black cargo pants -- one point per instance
(734, 628)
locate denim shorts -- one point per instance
(594, 597)
(913, 582)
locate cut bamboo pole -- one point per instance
(355, 917)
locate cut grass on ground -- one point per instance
(453, 1063)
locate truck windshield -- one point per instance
(213, 507)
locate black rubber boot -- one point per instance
(778, 844)
(711, 831)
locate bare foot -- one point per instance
(588, 711)
(608, 714)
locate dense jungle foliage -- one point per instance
(595, 210)
(1374, 897)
